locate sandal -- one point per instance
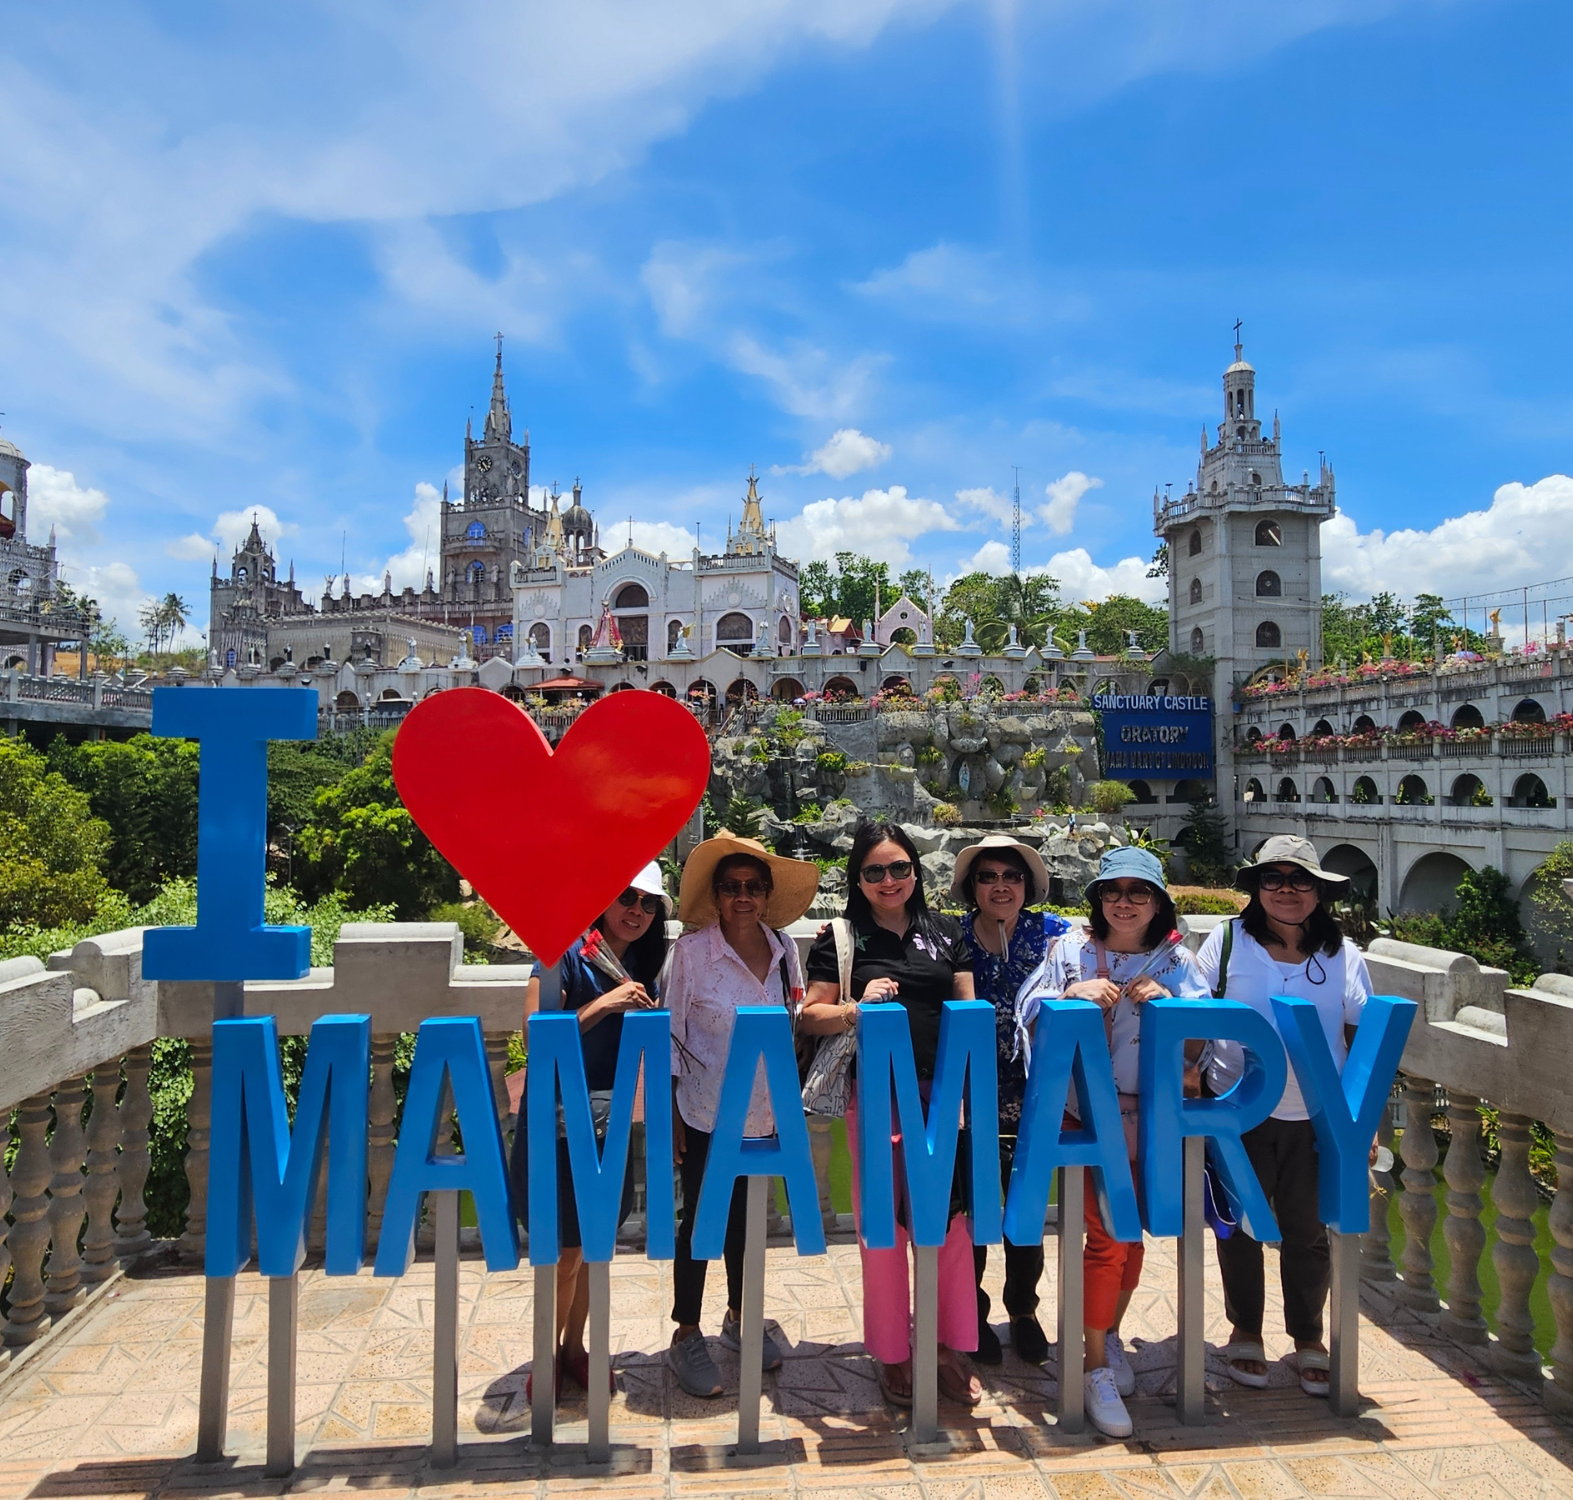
(557, 1382)
(896, 1397)
(956, 1381)
(1314, 1359)
(578, 1368)
(1246, 1349)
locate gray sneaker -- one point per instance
(695, 1370)
(732, 1337)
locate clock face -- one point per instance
(484, 465)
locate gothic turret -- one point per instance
(499, 420)
(751, 536)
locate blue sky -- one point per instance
(253, 259)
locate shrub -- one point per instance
(1199, 901)
(928, 755)
(478, 923)
(1110, 796)
(809, 812)
(1205, 840)
(946, 814)
(858, 768)
(1057, 787)
(831, 763)
(51, 845)
(1035, 758)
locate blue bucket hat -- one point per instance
(1132, 864)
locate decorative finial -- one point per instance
(1238, 346)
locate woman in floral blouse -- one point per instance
(998, 878)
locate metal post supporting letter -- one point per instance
(445, 1334)
(1344, 1324)
(1190, 1390)
(543, 1355)
(283, 1311)
(750, 1377)
(1072, 1302)
(599, 1402)
(925, 1343)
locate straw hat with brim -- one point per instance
(793, 881)
(1126, 863)
(995, 843)
(1286, 849)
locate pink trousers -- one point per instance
(887, 1295)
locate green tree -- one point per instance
(363, 843)
(1160, 562)
(1109, 623)
(1030, 603)
(51, 845)
(1551, 907)
(914, 583)
(1205, 840)
(1484, 923)
(145, 790)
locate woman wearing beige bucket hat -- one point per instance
(737, 894)
(1285, 942)
(997, 879)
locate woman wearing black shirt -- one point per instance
(906, 955)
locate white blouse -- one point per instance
(1337, 984)
(705, 983)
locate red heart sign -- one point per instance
(550, 839)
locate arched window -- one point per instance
(1196, 541)
(1365, 793)
(1252, 735)
(1365, 724)
(733, 629)
(1269, 635)
(1196, 591)
(1269, 585)
(1254, 791)
(346, 702)
(786, 636)
(1322, 727)
(1411, 720)
(1255, 478)
(1467, 716)
(1465, 792)
(478, 632)
(1529, 712)
(475, 531)
(586, 635)
(241, 575)
(1287, 791)
(1530, 791)
(476, 571)
(1142, 792)
(1286, 733)
(631, 596)
(1323, 791)
(674, 634)
(1197, 642)
(1269, 534)
(7, 513)
(1412, 792)
(541, 637)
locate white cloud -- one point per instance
(991, 557)
(230, 529)
(1065, 493)
(423, 524)
(117, 589)
(54, 498)
(847, 452)
(882, 524)
(1522, 538)
(1079, 576)
(995, 506)
(663, 536)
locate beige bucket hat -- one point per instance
(992, 845)
(794, 882)
(1286, 849)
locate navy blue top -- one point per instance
(582, 983)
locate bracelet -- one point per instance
(849, 1010)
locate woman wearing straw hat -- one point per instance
(1285, 942)
(608, 972)
(899, 952)
(997, 879)
(1130, 954)
(738, 895)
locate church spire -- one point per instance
(499, 421)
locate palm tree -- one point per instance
(1028, 604)
(174, 611)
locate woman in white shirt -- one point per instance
(1285, 942)
(738, 894)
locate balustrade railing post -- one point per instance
(379, 1131)
(1463, 1232)
(1515, 1199)
(497, 1066)
(100, 1189)
(1417, 1202)
(199, 1118)
(1376, 1258)
(67, 1148)
(135, 1115)
(29, 1237)
(1558, 1394)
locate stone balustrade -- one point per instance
(77, 1035)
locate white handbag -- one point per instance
(828, 1086)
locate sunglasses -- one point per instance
(991, 877)
(1279, 880)
(754, 888)
(897, 869)
(649, 905)
(1130, 895)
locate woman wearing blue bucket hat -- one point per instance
(1130, 954)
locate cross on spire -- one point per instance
(1238, 346)
(499, 350)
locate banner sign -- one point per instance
(1158, 736)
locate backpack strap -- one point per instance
(1223, 960)
(842, 928)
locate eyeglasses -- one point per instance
(989, 877)
(648, 904)
(1281, 880)
(754, 888)
(1130, 895)
(897, 869)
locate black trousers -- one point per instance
(688, 1274)
(1284, 1155)
(1023, 1263)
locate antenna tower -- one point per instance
(1015, 528)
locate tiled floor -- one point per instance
(111, 1408)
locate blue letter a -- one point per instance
(1071, 1047)
(254, 1153)
(760, 1033)
(557, 1060)
(966, 1054)
(451, 1046)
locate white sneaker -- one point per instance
(1119, 1365)
(1105, 1410)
